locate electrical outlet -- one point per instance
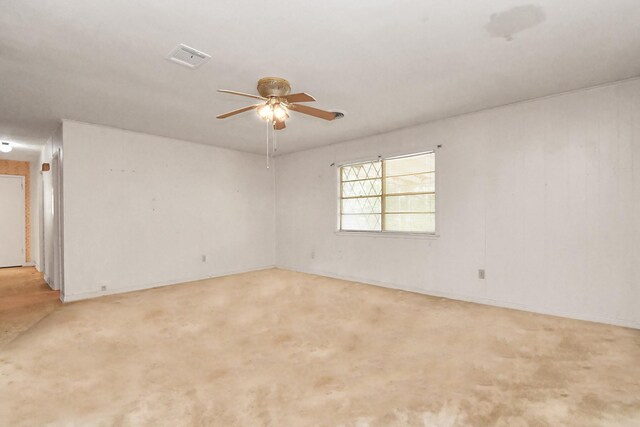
(103, 288)
(481, 274)
(204, 258)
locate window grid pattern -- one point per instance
(394, 194)
(361, 197)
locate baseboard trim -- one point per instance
(96, 294)
(48, 282)
(460, 297)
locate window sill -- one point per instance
(387, 234)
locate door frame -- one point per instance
(58, 221)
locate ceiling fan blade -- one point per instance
(238, 111)
(233, 92)
(279, 125)
(327, 115)
(298, 97)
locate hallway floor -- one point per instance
(280, 348)
(25, 298)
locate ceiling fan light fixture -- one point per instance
(265, 112)
(280, 112)
(277, 101)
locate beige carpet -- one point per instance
(288, 349)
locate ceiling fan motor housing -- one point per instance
(273, 86)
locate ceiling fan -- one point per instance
(278, 102)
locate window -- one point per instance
(394, 194)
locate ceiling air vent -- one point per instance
(188, 56)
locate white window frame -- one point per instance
(384, 233)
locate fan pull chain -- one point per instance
(268, 125)
(275, 144)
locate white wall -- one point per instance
(141, 211)
(46, 221)
(36, 197)
(544, 195)
(48, 235)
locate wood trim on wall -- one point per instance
(12, 167)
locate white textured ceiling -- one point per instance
(387, 63)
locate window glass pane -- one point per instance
(419, 223)
(361, 222)
(362, 171)
(421, 183)
(414, 203)
(409, 199)
(410, 165)
(369, 187)
(363, 205)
